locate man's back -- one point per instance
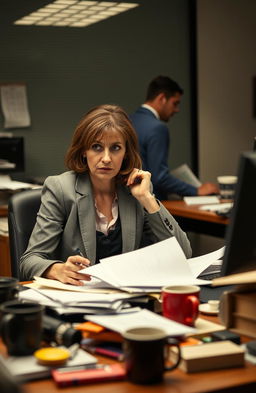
(153, 138)
(162, 102)
(147, 127)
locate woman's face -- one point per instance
(105, 156)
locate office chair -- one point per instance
(22, 212)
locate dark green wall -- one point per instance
(69, 70)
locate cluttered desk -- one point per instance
(150, 311)
(212, 359)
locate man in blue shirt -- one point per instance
(162, 102)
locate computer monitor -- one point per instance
(12, 155)
(240, 250)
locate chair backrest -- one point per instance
(22, 212)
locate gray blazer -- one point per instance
(66, 222)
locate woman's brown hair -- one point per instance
(97, 121)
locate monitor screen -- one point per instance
(12, 155)
(240, 251)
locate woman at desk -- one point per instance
(102, 206)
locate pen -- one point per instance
(84, 367)
(79, 252)
(107, 351)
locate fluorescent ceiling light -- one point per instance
(72, 13)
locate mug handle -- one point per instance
(5, 327)
(174, 343)
(193, 303)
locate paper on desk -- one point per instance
(201, 200)
(140, 318)
(55, 297)
(95, 285)
(218, 206)
(155, 266)
(6, 183)
(199, 264)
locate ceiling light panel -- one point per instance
(73, 12)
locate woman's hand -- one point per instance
(68, 272)
(139, 183)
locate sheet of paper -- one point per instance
(140, 318)
(6, 183)
(201, 200)
(199, 264)
(15, 106)
(95, 285)
(184, 173)
(218, 206)
(203, 327)
(155, 266)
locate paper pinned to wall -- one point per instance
(15, 106)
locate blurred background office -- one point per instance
(208, 46)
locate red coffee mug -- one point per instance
(180, 303)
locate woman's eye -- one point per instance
(96, 147)
(116, 147)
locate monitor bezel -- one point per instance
(237, 249)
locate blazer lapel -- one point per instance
(127, 211)
(86, 215)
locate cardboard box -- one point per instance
(237, 310)
(212, 356)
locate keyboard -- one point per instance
(210, 276)
(211, 272)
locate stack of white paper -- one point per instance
(147, 269)
(69, 302)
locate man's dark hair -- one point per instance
(162, 84)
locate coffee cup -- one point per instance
(146, 351)
(21, 327)
(227, 185)
(9, 288)
(180, 303)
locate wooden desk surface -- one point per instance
(235, 380)
(180, 208)
(192, 219)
